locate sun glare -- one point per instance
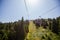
(32, 2)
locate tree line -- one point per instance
(18, 30)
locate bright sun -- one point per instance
(32, 2)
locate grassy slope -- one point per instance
(40, 33)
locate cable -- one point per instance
(42, 13)
(26, 8)
(50, 10)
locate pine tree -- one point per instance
(54, 26)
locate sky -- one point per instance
(14, 10)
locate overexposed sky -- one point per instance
(13, 10)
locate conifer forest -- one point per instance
(38, 29)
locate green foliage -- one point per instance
(42, 34)
(19, 29)
(58, 23)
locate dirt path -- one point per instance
(32, 26)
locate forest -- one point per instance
(38, 29)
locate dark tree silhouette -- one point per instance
(55, 26)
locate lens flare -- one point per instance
(32, 2)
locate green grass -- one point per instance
(40, 33)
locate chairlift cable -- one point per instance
(50, 10)
(26, 8)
